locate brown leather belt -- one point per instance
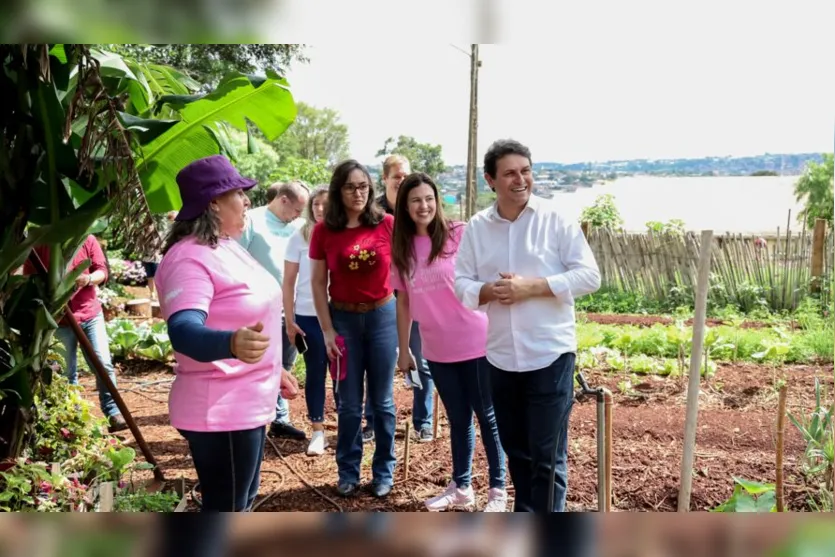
(364, 307)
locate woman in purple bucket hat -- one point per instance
(224, 321)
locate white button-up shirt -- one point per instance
(540, 243)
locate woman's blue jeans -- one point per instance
(464, 388)
(371, 342)
(316, 368)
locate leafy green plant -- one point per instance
(147, 341)
(603, 213)
(750, 496)
(31, 486)
(818, 430)
(142, 500)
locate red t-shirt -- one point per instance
(84, 304)
(358, 260)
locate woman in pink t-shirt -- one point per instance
(224, 320)
(424, 247)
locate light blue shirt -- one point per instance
(265, 238)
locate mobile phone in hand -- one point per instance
(413, 379)
(301, 344)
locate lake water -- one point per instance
(743, 204)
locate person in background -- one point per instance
(300, 319)
(524, 264)
(395, 170)
(152, 263)
(350, 261)
(86, 308)
(424, 248)
(223, 314)
(267, 232)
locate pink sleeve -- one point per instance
(185, 284)
(97, 260)
(317, 248)
(396, 283)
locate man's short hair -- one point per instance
(394, 160)
(291, 190)
(502, 148)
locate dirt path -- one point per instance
(735, 438)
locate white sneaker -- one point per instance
(452, 497)
(496, 500)
(318, 444)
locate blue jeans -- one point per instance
(532, 411)
(371, 342)
(228, 465)
(422, 405)
(464, 388)
(193, 535)
(96, 331)
(316, 368)
(288, 360)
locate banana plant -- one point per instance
(198, 129)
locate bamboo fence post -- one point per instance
(406, 450)
(781, 427)
(818, 241)
(705, 246)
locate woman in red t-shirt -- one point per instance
(351, 250)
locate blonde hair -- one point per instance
(394, 160)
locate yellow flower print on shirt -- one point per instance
(359, 254)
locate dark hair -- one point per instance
(403, 248)
(205, 229)
(336, 217)
(502, 148)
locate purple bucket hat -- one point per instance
(204, 180)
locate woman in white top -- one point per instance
(300, 317)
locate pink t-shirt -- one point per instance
(235, 291)
(449, 331)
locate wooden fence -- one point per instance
(743, 270)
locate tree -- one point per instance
(316, 133)
(423, 157)
(65, 161)
(208, 63)
(815, 189)
(603, 213)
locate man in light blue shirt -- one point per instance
(267, 232)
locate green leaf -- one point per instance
(176, 102)
(59, 52)
(145, 129)
(112, 65)
(754, 488)
(219, 132)
(251, 143)
(269, 106)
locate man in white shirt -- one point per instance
(268, 230)
(524, 263)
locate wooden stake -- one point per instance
(406, 450)
(818, 241)
(436, 414)
(695, 372)
(781, 426)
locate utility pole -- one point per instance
(472, 153)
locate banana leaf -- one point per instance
(265, 101)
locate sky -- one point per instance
(598, 83)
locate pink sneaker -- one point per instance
(496, 500)
(452, 497)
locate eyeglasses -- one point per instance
(351, 188)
